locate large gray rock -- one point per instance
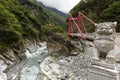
(50, 69)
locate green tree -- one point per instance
(10, 30)
(99, 10)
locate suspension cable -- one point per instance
(87, 18)
(84, 27)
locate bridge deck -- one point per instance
(82, 36)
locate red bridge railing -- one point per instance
(77, 22)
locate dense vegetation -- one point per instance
(99, 10)
(57, 11)
(22, 19)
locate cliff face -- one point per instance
(21, 20)
(21, 28)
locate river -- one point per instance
(31, 68)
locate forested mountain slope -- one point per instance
(99, 10)
(22, 19)
(57, 11)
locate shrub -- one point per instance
(57, 29)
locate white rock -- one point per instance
(3, 66)
(56, 69)
(43, 44)
(51, 69)
(28, 54)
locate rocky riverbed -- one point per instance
(40, 65)
(73, 67)
(37, 58)
(28, 68)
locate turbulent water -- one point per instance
(31, 69)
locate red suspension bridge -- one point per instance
(77, 21)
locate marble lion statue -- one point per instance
(104, 40)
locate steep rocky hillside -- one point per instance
(22, 19)
(57, 11)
